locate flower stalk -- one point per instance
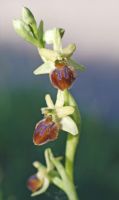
(71, 143)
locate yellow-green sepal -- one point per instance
(45, 68)
(49, 55)
(68, 51)
(76, 66)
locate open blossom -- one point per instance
(58, 63)
(56, 117)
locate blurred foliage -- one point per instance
(97, 159)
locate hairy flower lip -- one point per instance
(46, 130)
(62, 77)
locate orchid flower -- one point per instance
(58, 63)
(56, 117)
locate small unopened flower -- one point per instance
(56, 117)
(34, 183)
(39, 182)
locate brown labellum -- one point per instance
(45, 130)
(34, 183)
(62, 77)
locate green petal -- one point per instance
(54, 37)
(57, 44)
(45, 68)
(60, 99)
(49, 36)
(49, 55)
(43, 189)
(69, 50)
(64, 111)
(49, 101)
(68, 125)
(76, 65)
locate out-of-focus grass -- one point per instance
(97, 159)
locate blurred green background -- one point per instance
(96, 91)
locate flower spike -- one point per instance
(63, 114)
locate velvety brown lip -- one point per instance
(62, 77)
(45, 130)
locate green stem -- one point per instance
(71, 146)
(64, 182)
(72, 141)
(71, 192)
(67, 186)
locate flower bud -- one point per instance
(34, 183)
(24, 31)
(28, 17)
(45, 130)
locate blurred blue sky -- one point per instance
(92, 25)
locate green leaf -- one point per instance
(24, 31)
(69, 50)
(77, 66)
(45, 68)
(49, 55)
(41, 34)
(68, 125)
